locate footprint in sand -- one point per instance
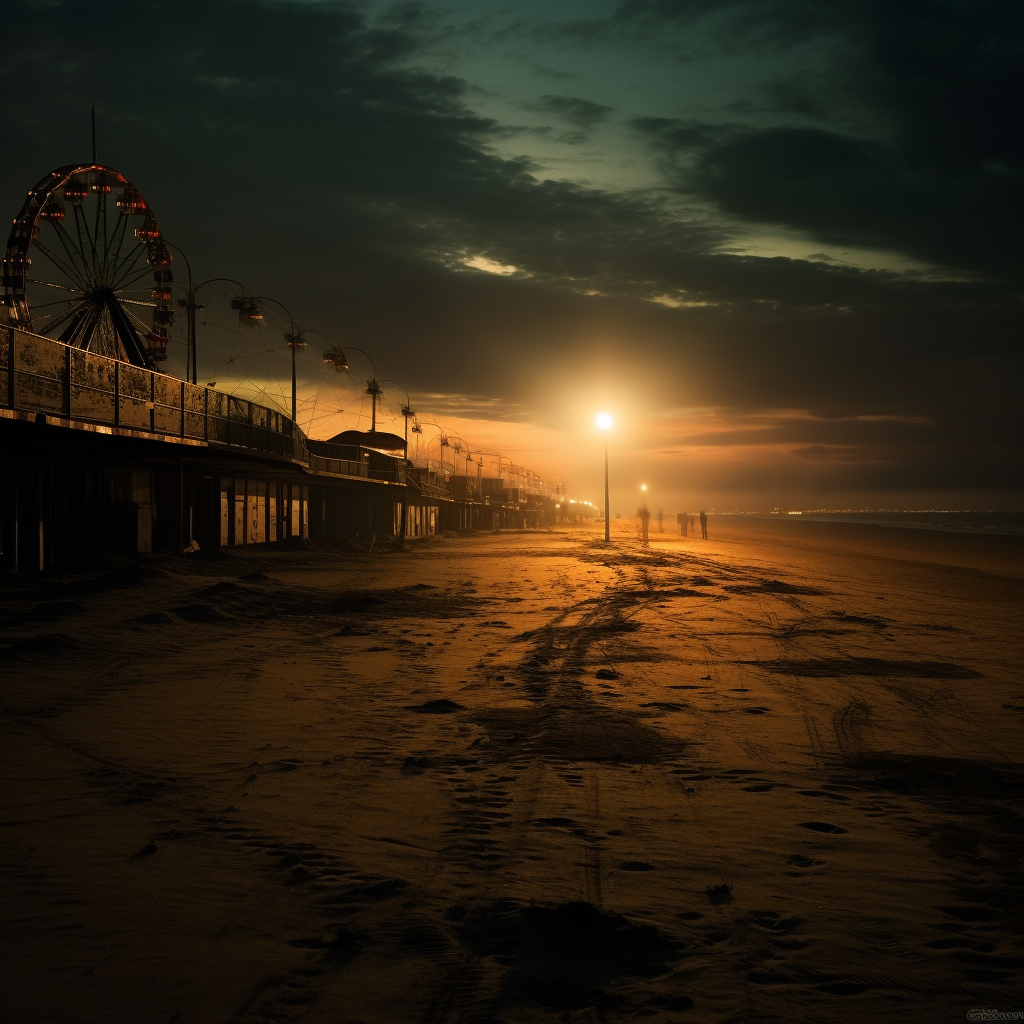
(771, 921)
(800, 861)
(199, 613)
(151, 619)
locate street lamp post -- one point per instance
(604, 422)
(245, 302)
(500, 457)
(459, 450)
(294, 341)
(407, 411)
(339, 360)
(441, 447)
(293, 338)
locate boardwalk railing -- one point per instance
(40, 375)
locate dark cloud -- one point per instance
(305, 150)
(925, 162)
(902, 132)
(584, 114)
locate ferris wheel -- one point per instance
(86, 264)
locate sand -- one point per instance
(771, 776)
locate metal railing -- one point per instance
(40, 375)
(336, 467)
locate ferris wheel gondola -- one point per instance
(86, 264)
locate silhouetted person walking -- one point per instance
(643, 516)
(704, 524)
(682, 518)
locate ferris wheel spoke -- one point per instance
(74, 253)
(118, 257)
(113, 243)
(56, 302)
(80, 223)
(101, 209)
(60, 317)
(106, 238)
(131, 273)
(81, 331)
(128, 282)
(70, 271)
(129, 259)
(128, 311)
(52, 284)
(142, 323)
(92, 240)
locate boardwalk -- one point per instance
(100, 454)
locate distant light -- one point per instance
(643, 487)
(603, 421)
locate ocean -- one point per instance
(1005, 524)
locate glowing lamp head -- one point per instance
(603, 421)
(643, 487)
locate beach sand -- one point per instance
(771, 776)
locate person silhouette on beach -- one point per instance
(643, 520)
(704, 524)
(682, 518)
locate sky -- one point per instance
(778, 240)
